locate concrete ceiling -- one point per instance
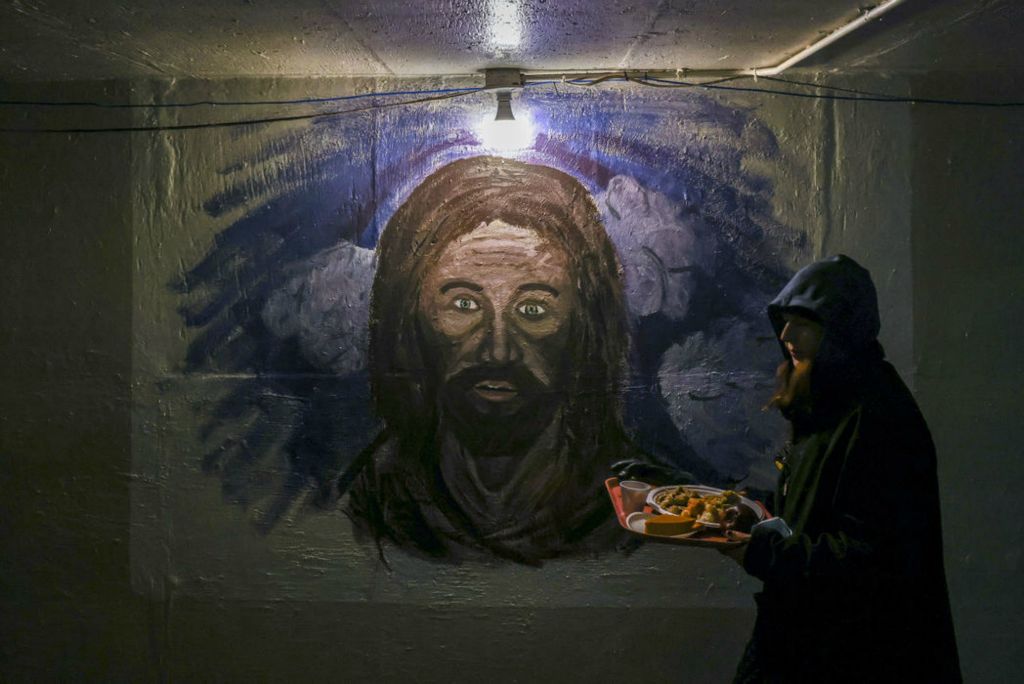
(111, 39)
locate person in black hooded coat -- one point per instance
(854, 586)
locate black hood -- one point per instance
(839, 294)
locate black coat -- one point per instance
(858, 592)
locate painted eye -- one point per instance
(465, 304)
(531, 309)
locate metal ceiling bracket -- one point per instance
(495, 79)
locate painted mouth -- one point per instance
(496, 390)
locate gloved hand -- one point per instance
(771, 526)
(651, 473)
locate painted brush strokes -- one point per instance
(485, 373)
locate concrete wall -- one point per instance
(968, 290)
(65, 431)
(94, 456)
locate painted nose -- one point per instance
(498, 346)
(786, 334)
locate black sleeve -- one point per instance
(879, 507)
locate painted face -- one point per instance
(495, 309)
(802, 337)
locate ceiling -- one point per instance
(112, 39)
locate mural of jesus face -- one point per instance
(496, 309)
(497, 336)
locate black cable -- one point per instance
(822, 86)
(583, 82)
(857, 98)
(663, 83)
(855, 95)
(230, 103)
(623, 76)
(444, 94)
(229, 124)
(896, 98)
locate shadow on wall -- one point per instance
(284, 295)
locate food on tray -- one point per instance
(704, 507)
(734, 515)
(669, 525)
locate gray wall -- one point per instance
(65, 370)
(967, 241)
(947, 179)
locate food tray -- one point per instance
(708, 537)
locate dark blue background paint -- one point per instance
(337, 181)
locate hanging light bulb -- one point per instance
(505, 133)
(504, 107)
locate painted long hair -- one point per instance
(453, 201)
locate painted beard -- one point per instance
(498, 409)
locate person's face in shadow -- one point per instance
(495, 310)
(801, 336)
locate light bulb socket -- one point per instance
(502, 78)
(504, 106)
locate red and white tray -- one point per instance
(706, 536)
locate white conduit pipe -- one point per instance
(874, 12)
(844, 30)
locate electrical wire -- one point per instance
(856, 98)
(664, 83)
(854, 95)
(851, 93)
(823, 86)
(623, 76)
(229, 103)
(245, 122)
(638, 78)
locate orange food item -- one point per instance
(669, 525)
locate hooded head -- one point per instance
(838, 293)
